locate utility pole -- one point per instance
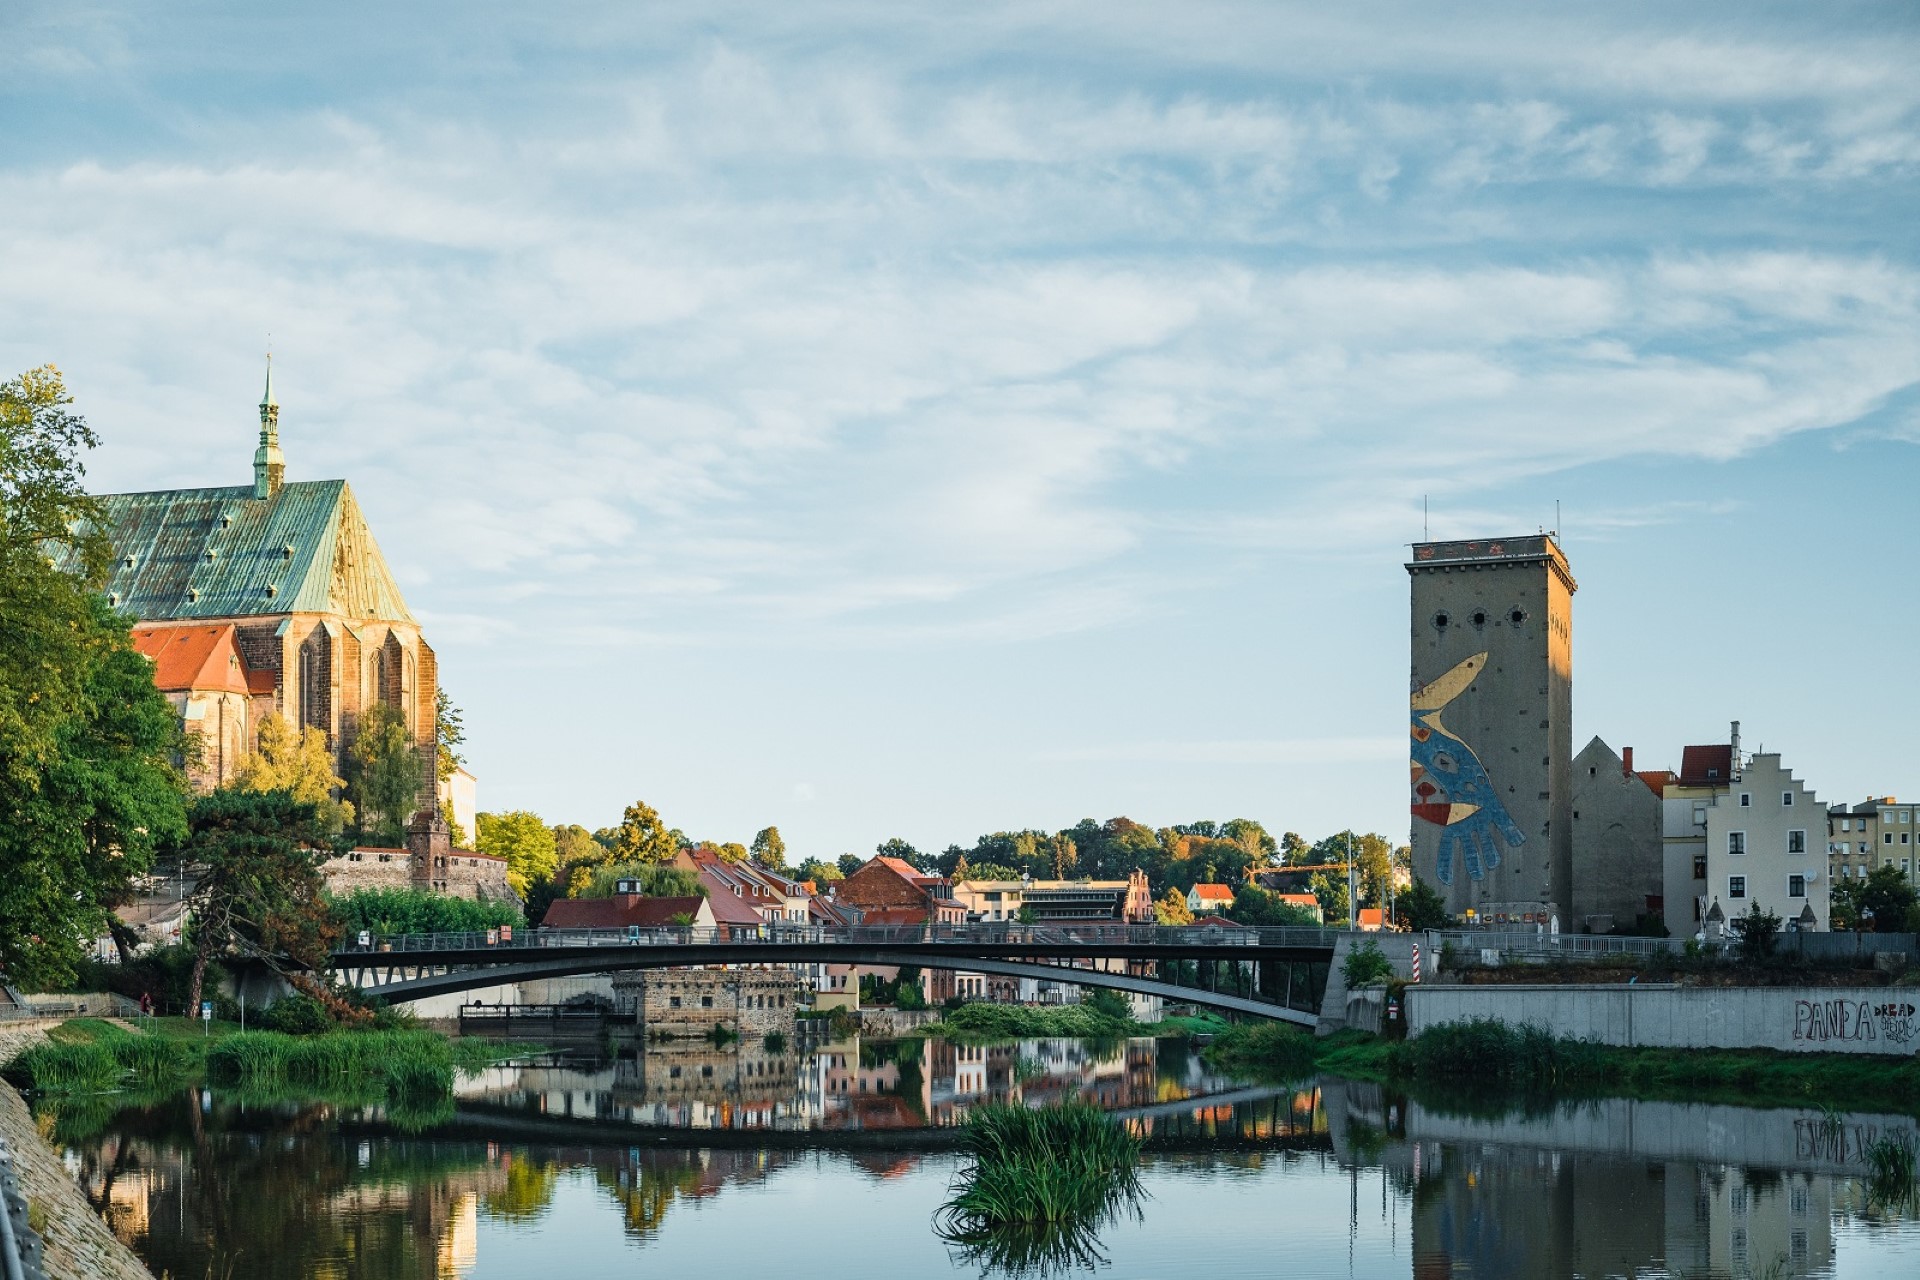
(1353, 895)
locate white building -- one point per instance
(1765, 846)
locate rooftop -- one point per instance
(1541, 548)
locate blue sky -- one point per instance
(887, 419)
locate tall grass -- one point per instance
(1891, 1176)
(983, 1021)
(1057, 1166)
(1488, 1052)
(409, 1062)
(1268, 1050)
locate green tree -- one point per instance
(1295, 851)
(448, 735)
(392, 911)
(299, 762)
(1172, 908)
(1260, 847)
(769, 849)
(898, 848)
(456, 833)
(1883, 901)
(524, 840)
(1757, 930)
(642, 837)
(1331, 889)
(821, 873)
(655, 880)
(89, 751)
(1421, 907)
(1254, 905)
(850, 863)
(258, 889)
(385, 768)
(731, 851)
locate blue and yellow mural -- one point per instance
(1451, 788)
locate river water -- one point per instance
(834, 1162)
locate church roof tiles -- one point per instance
(223, 553)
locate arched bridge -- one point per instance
(1273, 973)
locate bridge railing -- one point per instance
(1066, 934)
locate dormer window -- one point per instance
(193, 594)
(128, 562)
(286, 552)
(211, 553)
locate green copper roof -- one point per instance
(222, 553)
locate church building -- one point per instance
(271, 598)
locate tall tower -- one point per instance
(269, 468)
(1491, 725)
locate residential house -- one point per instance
(628, 909)
(1203, 899)
(1877, 832)
(1705, 774)
(1618, 850)
(1761, 846)
(892, 891)
(772, 897)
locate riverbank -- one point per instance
(1491, 1058)
(78, 1242)
(982, 1022)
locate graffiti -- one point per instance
(1857, 1020)
(1451, 788)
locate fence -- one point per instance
(995, 934)
(1582, 946)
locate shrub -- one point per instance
(1758, 930)
(1109, 1004)
(1015, 1022)
(390, 911)
(298, 1014)
(1366, 964)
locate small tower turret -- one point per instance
(269, 467)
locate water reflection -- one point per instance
(570, 1160)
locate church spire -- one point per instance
(269, 467)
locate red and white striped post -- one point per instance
(1416, 962)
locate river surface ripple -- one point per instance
(833, 1161)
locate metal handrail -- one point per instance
(990, 934)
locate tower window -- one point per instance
(1517, 617)
(1442, 620)
(1479, 617)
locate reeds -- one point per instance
(1059, 1165)
(1891, 1174)
(409, 1062)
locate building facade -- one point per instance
(1050, 901)
(1764, 837)
(1618, 854)
(1491, 726)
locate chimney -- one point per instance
(1626, 762)
(1734, 767)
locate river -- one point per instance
(834, 1161)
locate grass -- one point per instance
(1891, 1178)
(982, 1021)
(1052, 1167)
(1486, 1058)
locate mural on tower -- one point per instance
(1451, 788)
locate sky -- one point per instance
(925, 420)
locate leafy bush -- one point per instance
(164, 973)
(390, 911)
(1110, 1004)
(1366, 964)
(1758, 930)
(297, 1015)
(1486, 1051)
(1014, 1022)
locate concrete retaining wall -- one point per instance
(1868, 1020)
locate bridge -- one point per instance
(1265, 972)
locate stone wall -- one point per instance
(1618, 851)
(466, 875)
(689, 1003)
(1868, 1020)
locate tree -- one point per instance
(730, 852)
(655, 880)
(524, 840)
(821, 873)
(642, 837)
(1252, 837)
(1884, 901)
(456, 832)
(1254, 905)
(1294, 850)
(296, 761)
(384, 767)
(258, 890)
(89, 750)
(1421, 907)
(1172, 908)
(769, 849)
(1758, 930)
(1064, 853)
(393, 911)
(849, 863)
(448, 734)
(1331, 889)
(898, 848)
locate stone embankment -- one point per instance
(79, 1245)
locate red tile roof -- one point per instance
(194, 658)
(1217, 922)
(1658, 780)
(617, 913)
(728, 906)
(1700, 766)
(894, 915)
(1213, 892)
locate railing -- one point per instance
(1065, 934)
(1557, 944)
(20, 1245)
